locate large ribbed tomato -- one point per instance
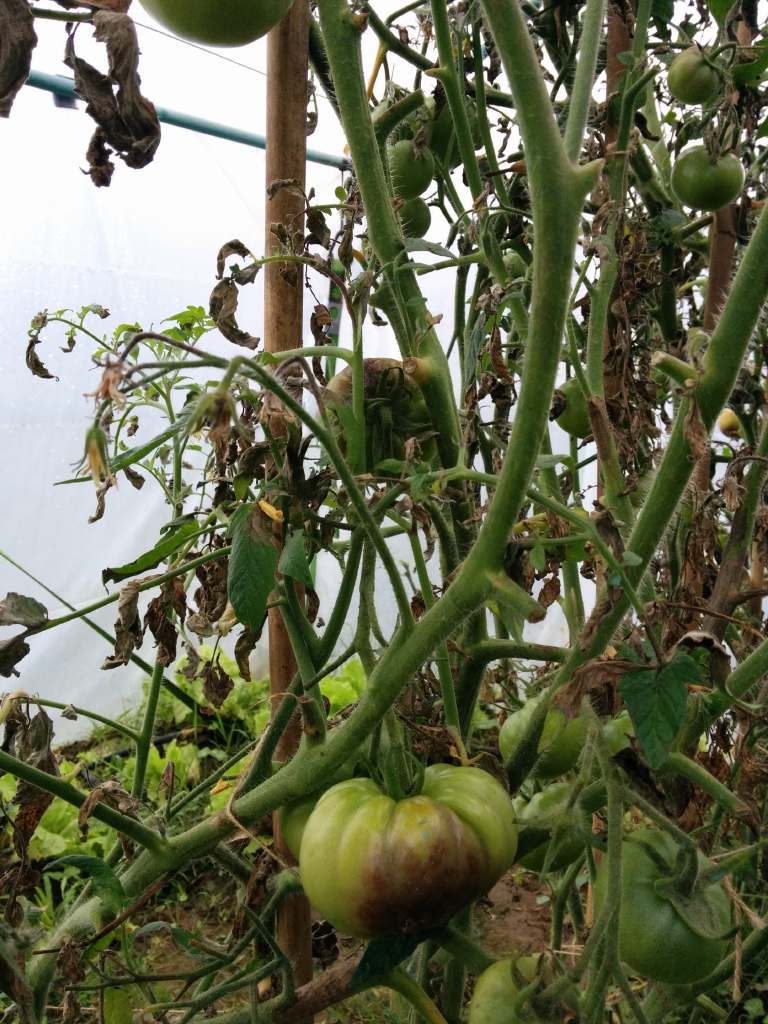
(375, 866)
(661, 938)
(560, 743)
(218, 22)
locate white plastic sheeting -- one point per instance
(144, 248)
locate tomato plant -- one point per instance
(460, 599)
(218, 22)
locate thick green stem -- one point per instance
(581, 95)
(130, 827)
(144, 740)
(455, 96)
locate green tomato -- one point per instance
(618, 731)
(443, 135)
(412, 170)
(574, 419)
(496, 990)
(560, 743)
(415, 218)
(655, 940)
(499, 985)
(691, 79)
(704, 184)
(538, 818)
(374, 866)
(218, 22)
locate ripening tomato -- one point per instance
(574, 419)
(660, 939)
(728, 423)
(700, 182)
(560, 743)
(218, 22)
(412, 169)
(691, 79)
(375, 866)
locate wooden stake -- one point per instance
(287, 68)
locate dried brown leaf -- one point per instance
(217, 685)
(171, 600)
(222, 307)
(17, 41)
(11, 653)
(127, 121)
(29, 740)
(129, 633)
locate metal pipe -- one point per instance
(61, 86)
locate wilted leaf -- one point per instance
(127, 121)
(35, 363)
(11, 653)
(217, 685)
(656, 701)
(17, 610)
(128, 629)
(222, 307)
(497, 356)
(252, 567)
(110, 793)
(171, 599)
(29, 741)
(17, 41)
(245, 643)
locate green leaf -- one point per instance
(18, 610)
(750, 73)
(118, 1008)
(105, 882)
(252, 567)
(720, 9)
(421, 245)
(551, 461)
(630, 558)
(382, 955)
(537, 556)
(162, 550)
(293, 561)
(656, 701)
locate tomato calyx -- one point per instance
(695, 908)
